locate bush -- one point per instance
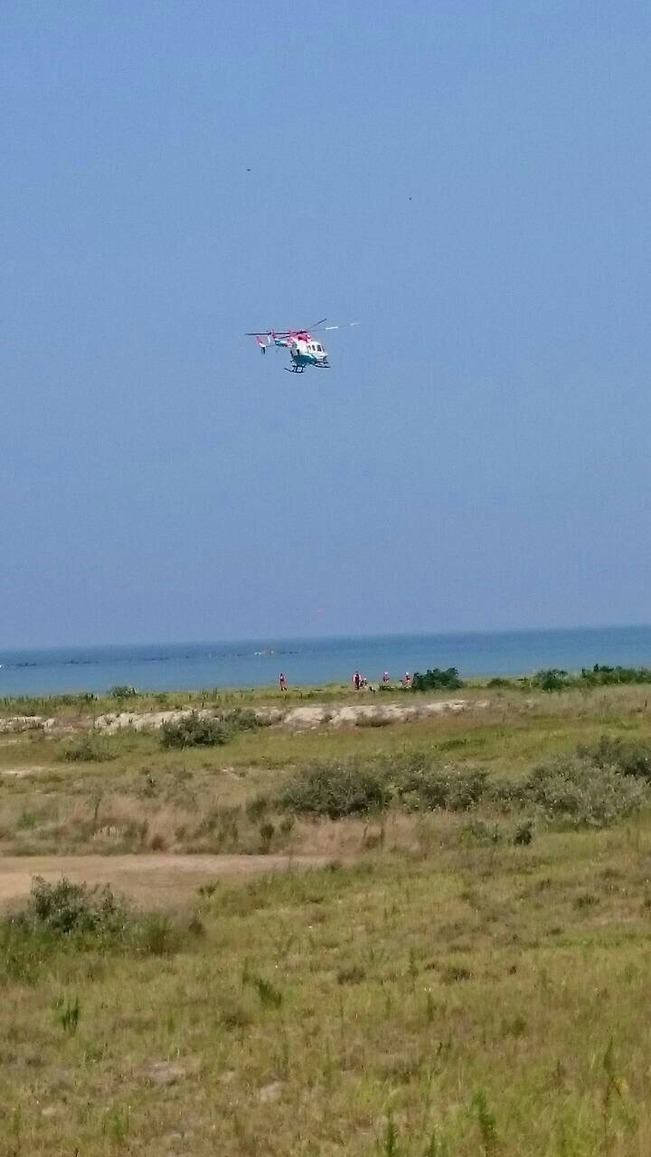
(257, 807)
(481, 833)
(436, 680)
(626, 756)
(72, 910)
(155, 934)
(68, 917)
(194, 730)
(122, 691)
(242, 719)
(578, 792)
(553, 679)
(335, 790)
(348, 787)
(524, 833)
(574, 790)
(420, 785)
(600, 676)
(90, 747)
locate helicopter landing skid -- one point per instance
(294, 369)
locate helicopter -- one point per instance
(304, 349)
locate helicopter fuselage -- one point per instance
(305, 351)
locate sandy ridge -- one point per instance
(297, 718)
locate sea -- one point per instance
(315, 662)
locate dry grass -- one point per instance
(443, 995)
(147, 799)
(485, 1000)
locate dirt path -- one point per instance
(152, 880)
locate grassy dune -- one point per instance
(441, 987)
(467, 1001)
(136, 797)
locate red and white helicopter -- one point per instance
(304, 348)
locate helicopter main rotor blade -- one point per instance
(269, 333)
(342, 325)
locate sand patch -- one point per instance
(154, 880)
(17, 723)
(351, 714)
(25, 771)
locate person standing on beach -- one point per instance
(282, 682)
(357, 680)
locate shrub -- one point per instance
(155, 934)
(581, 793)
(524, 833)
(122, 691)
(267, 833)
(242, 719)
(335, 789)
(90, 747)
(68, 1013)
(573, 790)
(349, 787)
(600, 676)
(481, 833)
(220, 827)
(257, 807)
(553, 679)
(270, 996)
(193, 730)
(68, 909)
(67, 916)
(626, 756)
(435, 680)
(420, 785)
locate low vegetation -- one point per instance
(69, 918)
(482, 999)
(196, 730)
(555, 679)
(193, 731)
(596, 787)
(88, 747)
(464, 976)
(437, 680)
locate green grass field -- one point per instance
(442, 986)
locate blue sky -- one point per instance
(469, 181)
